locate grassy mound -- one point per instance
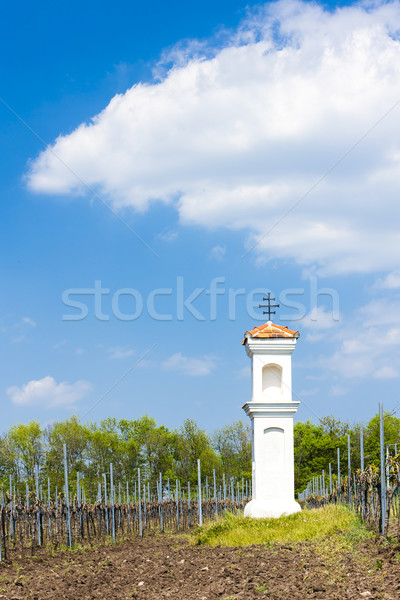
(233, 530)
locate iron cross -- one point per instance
(268, 306)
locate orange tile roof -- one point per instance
(270, 330)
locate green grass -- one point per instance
(315, 524)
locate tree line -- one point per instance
(131, 444)
(128, 444)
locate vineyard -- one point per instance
(373, 492)
(34, 521)
(25, 530)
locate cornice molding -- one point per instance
(270, 346)
(270, 409)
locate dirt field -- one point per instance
(159, 567)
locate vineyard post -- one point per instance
(362, 470)
(119, 502)
(349, 468)
(144, 505)
(215, 494)
(161, 504)
(330, 478)
(387, 466)
(355, 492)
(382, 465)
(112, 500)
(177, 505)
(338, 473)
(106, 503)
(140, 507)
(48, 493)
(38, 505)
(79, 499)
(361, 447)
(189, 502)
(323, 483)
(128, 502)
(11, 512)
(199, 485)
(224, 486)
(67, 496)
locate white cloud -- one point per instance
(390, 282)
(234, 136)
(243, 373)
(47, 393)
(318, 321)
(308, 392)
(189, 366)
(217, 252)
(386, 372)
(368, 344)
(338, 390)
(120, 352)
(28, 321)
(59, 344)
(168, 235)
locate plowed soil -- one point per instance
(166, 566)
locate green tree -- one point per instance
(315, 446)
(26, 441)
(190, 442)
(76, 438)
(8, 460)
(233, 444)
(391, 426)
(153, 446)
(106, 446)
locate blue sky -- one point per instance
(170, 146)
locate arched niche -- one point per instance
(274, 447)
(272, 380)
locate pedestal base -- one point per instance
(270, 509)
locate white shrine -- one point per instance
(271, 411)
